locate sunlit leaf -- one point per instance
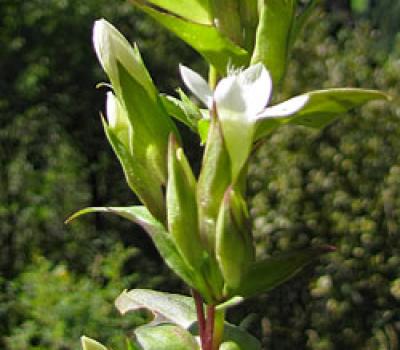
(273, 36)
(323, 107)
(194, 10)
(90, 344)
(180, 310)
(205, 39)
(165, 337)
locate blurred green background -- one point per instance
(339, 186)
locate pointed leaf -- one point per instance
(194, 10)
(142, 182)
(161, 238)
(229, 346)
(213, 181)
(227, 19)
(234, 244)
(218, 50)
(165, 337)
(183, 110)
(182, 207)
(165, 307)
(267, 274)
(180, 310)
(301, 20)
(90, 344)
(323, 107)
(151, 125)
(273, 36)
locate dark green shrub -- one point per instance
(339, 186)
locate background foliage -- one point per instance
(339, 186)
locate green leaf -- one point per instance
(180, 310)
(182, 207)
(183, 110)
(273, 36)
(301, 20)
(161, 238)
(165, 307)
(240, 337)
(234, 243)
(227, 18)
(165, 337)
(229, 346)
(213, 181)
(142, 182)
(151, 125)
(218, 50)
(90, 344)
(249, 18)
(203, 127)
(267, 274)
(323, 107)
(194, 10)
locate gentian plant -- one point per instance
(201, 225)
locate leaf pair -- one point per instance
(174, 315)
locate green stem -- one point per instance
(218, 328)
(212, 77)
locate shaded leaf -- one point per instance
(267, 274)
(142, 182)
(161, 238)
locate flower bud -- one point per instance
(234, 245)
(215, 177)
(182, 207)
(112, 49)
(118, 120)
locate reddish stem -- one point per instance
(198, 300)
(210, 327)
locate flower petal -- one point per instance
(284, 109)
(256, 85)
(197, 85)
(111, 110)
(237, 129)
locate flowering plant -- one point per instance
(201, 226)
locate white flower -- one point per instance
(112, 49)
(118, 120)
(241, 101)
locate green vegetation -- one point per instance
(339, 186)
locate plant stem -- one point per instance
(198, 300)
(212, 77)
(209, 336)
(218, 328)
